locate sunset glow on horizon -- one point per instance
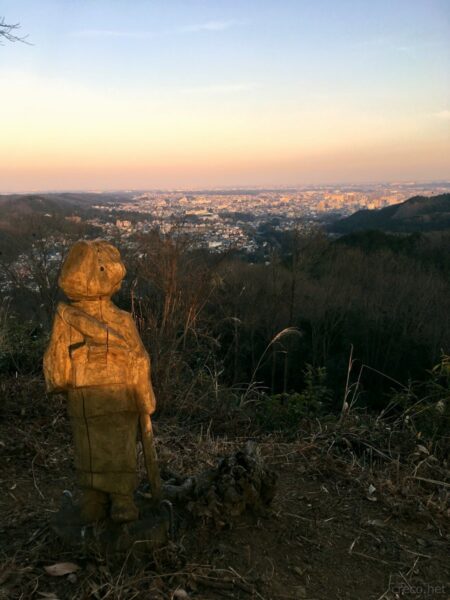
(115, 95)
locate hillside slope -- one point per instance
(36, 204)
(419, 213)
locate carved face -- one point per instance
(92, 269)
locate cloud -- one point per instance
(112, 33)
(195, 28)
(209, 26)
(221, 88)
(442, 114)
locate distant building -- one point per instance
(120, 224)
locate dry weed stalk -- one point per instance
(285, 332)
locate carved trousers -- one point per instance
(104, 426)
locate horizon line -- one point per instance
(221, 187)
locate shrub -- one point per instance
(22, 346)
(284, 411)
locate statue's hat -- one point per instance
(92, 269)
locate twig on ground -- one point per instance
(34, 478)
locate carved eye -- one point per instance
(102, 268)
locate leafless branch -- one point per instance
(8, 32)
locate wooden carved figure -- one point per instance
(96, 357)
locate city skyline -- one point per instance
(210, 94)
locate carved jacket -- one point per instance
(95, 344)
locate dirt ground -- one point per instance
(335, 530)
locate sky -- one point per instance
(142, 94)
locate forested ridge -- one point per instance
(419, 213)
(307, 301)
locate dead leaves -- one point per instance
(61, 569)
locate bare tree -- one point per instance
(8, 32)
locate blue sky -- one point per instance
(225, 92)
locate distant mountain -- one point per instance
(54, 203)
(419, 213)
(28, 204)
(25, 215)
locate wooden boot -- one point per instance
(123, 508)
(94, 506)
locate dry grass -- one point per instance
(362, 508)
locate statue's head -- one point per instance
(92, 270)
